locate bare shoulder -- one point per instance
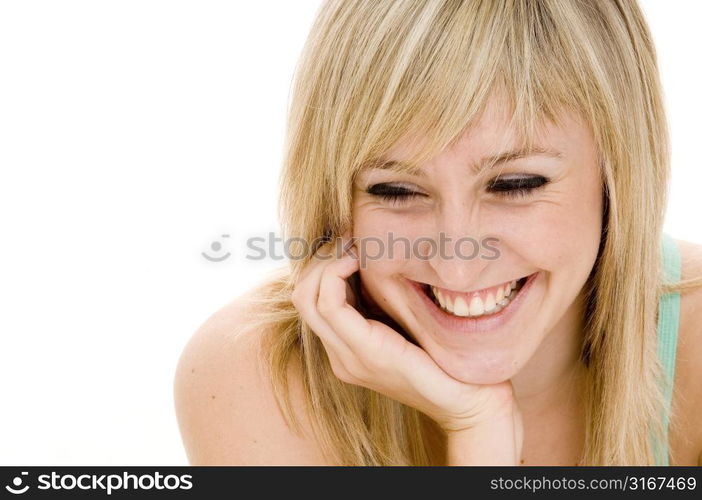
(686, 436)
(224, 404)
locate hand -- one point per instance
(368, 353)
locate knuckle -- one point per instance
(356, 373)
(349, 378)
(343, 373)
(340, 372)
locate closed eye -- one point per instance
(509, 187)
(516, 187)
(392, 193)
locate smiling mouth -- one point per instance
(483, 303)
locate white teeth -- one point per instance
(490, 303)
(476, 306)
(439, 296)
(460, 308)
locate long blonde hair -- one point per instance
(374, 70)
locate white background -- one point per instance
(134, 134)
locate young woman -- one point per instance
(531, 129)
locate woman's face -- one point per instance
(549, 232)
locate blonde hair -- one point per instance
(371, 72)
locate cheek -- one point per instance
(563, 233)
(390, 239)
(573, 233)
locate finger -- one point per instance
(326, 333)
(332, 305)
(305, 297)
(322, 256)
(308, 279)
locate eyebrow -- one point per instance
(477, 168)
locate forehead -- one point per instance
(493, 131)
(492, 139)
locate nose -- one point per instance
(457, 259)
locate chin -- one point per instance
(477, 368)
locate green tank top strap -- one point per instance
(668, 323)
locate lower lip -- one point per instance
(468, 325)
